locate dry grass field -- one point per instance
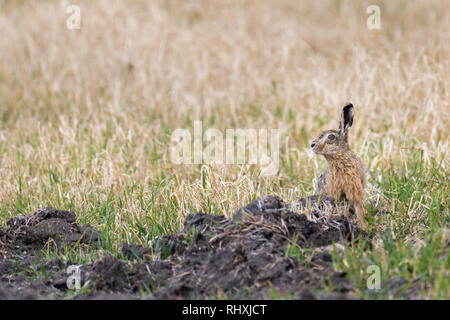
(86, 115)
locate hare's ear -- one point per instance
(346, 119)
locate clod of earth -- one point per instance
(21, 246)
(58, 225)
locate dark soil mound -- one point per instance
(266, 250)
(37, 229)
(244, 257)
(21, 246)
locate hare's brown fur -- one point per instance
(345, 177)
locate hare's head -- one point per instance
(332, 142)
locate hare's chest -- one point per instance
(340, 180)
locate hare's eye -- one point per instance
(331, 137)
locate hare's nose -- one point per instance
(312, 145)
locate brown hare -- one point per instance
(344, 177)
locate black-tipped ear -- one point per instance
(346, 118)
